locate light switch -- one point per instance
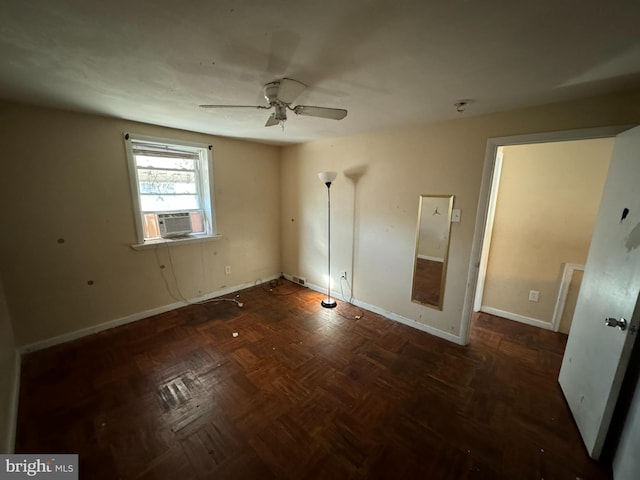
(455, 215)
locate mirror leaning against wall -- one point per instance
(432, 250)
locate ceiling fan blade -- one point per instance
(233, 106)
(322, 112)
(271, 121)
(289, 90)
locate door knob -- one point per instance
(614, 322)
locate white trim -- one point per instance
(133, 185)
(394, 316)
(13, 403)
(567, 275)
(534, 322)
(173, 241)
(491, 213)
(478, 238)
(433, 259)
(411, 323)
(83, 332)
(204, 173)
(334, 295)
(485, 192)
(295, 278)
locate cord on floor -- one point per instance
(271, 286)
(182, 297)
(360, 313)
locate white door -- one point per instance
(597, 355)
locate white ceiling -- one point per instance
(390, 63)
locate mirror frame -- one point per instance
(445, 262)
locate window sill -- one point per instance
(176, 241)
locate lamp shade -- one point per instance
(327, 177)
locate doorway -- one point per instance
(490, 178)
(545, 200)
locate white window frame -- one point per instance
(205, 189)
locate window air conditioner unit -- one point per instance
(174, 224)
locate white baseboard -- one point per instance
(395, 317)
(294, 279)
(83, 332)
(412, 323)
(534, 322)
(13, 403)
(335, 295)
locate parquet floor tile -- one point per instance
(302, 392)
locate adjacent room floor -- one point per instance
(282, 388)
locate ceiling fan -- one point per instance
(281, 94)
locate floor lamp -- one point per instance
(327, 178)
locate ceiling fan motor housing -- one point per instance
(281, 112)
(271, 90)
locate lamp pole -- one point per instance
(327, 178)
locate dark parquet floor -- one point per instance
(300, 393)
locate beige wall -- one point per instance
(69, 173)
(8, 366)
(64, 176)
(374, 198)
(546, 209)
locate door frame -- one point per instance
(486, 202)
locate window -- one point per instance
(171, 185)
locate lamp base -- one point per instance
(328, 303)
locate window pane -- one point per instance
(197, 225)
(150, 225)
(170, 177)
(166, 182)
(168, 203)
(168, 163)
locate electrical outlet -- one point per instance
(227, 270)
(534, 295)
